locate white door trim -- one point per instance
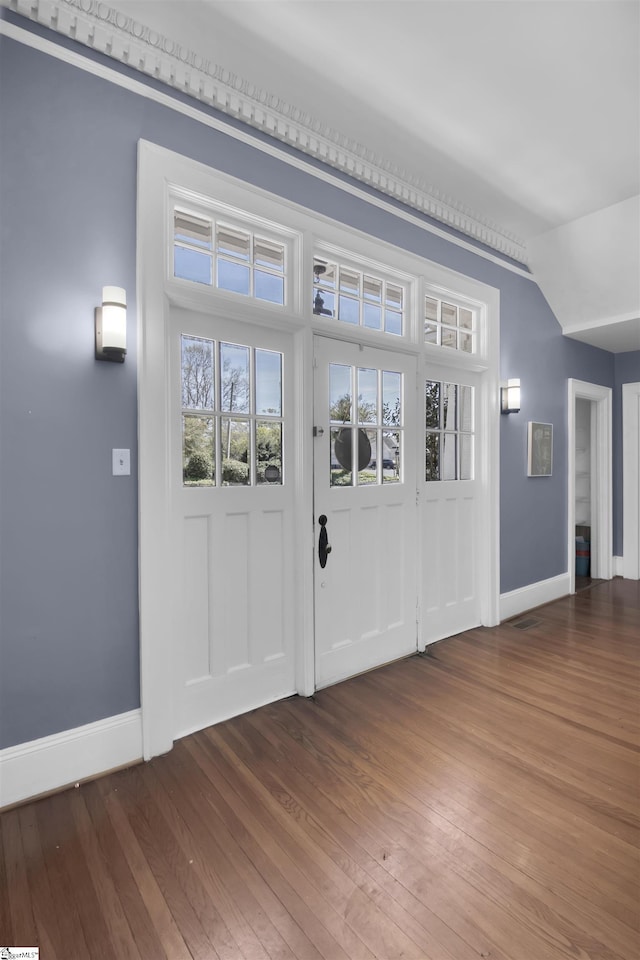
(601, 480)
(160, 174)
(154, 511)
(631, 480)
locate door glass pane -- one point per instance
(449, 395)
(390, 456)
(198, 451)
(197, 373)
(324, 273)
(234, 243)
(465, 318)
(339, 393)
(192, 265)
(449, 314)
(432, 465)
(372, 289)
(430, 309)
(430, 333)
(448, 465)
(432, 397)
(192, 230)
(269, 382)
(465, 409)
(465, 342)
(233, 276)
(466, 457)
(268, 287)
(341, 457)
(367, 473)
(268, 452)
(324, 302)
(269, 254)
(394, 297)
(235, 452)
(189, 263)
(449, 338)
(393, 322)
(391, 398)
(367, 395)
(234, 373)
(372, 316)
(349, 282)
(349, 310)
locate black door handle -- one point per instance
(324, 547)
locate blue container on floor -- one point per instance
(583, 558)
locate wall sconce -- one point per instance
(510, 397)
(111, 325)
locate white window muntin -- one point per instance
(212, 421)
(352, 289)
(451, 322)
(298, 260)
(216, 236)
(449, 431)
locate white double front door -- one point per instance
(389, 573)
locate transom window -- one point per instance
(366, 415)
(229, 257)
(357, 297)
(449, 325)
(232, 414)
(449, 431)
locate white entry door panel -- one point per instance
(449, 527)
(364, 476)
(232, 523)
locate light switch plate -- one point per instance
(121, 463)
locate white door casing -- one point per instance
(365, 596)
(160, 174)
(631, 480)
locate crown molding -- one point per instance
(117, 35)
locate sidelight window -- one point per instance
(449, 431)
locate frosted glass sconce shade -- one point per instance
(510, 397)
(111, 325)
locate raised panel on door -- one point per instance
(232, 548)
(366, 595)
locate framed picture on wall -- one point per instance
(539, 449)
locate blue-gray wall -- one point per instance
(626, 370)
(68, 602)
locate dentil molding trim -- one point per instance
(111, 32)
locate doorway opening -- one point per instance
(590, 504)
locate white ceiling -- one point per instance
(525, 112)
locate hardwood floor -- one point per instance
(477, 801)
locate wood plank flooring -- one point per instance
(479, 801)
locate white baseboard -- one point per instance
(533, 595)
(618, 566)
(39, 766)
